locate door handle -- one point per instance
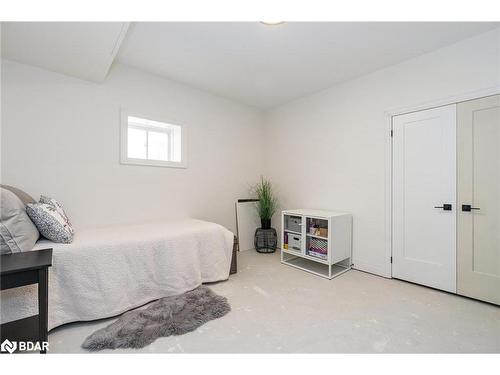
(469, 208)
(445, 207)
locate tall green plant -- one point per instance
(268, 203)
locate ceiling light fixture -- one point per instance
(272, 23)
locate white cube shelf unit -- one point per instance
(317, 241)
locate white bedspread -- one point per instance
(110, 270)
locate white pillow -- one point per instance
(59, 208)
(50, 223)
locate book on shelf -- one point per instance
(319, 255)
(318, 250)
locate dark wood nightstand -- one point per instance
(20, 269)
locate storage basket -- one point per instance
(294, 242)
(294, 223)
(318, 248)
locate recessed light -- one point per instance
(272, 23)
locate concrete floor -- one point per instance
(277, 308)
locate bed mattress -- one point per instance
(110, 270)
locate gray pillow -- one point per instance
(24, 197)
(50, 222)
(17, 231)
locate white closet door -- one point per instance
(478, 247)
(424, 197)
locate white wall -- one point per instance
(328, 150)
(1, 100)
(61, 138)
(1, 127)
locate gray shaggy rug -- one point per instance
(167, 316)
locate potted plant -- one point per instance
(267, 204)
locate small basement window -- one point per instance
(150, 142)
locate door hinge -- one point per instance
(392, 132)
(391, 259)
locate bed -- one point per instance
(107, 271)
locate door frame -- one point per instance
(389, 114)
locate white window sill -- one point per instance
(153, 163)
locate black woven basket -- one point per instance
(265, 240)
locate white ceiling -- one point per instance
(80, 49)
(259, 65)
(265, 66)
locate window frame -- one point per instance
(124, 159)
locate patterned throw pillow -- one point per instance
(50, 223)
(59, 209)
